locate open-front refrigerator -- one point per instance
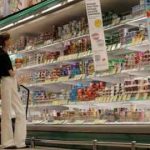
(70, 94)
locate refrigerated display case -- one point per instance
(9, 7)
(54, 59)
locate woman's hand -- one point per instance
(12, 73)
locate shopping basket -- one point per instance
(25, 92)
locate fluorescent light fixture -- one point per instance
(136, 20)
(25, 19)
(36, 20)
(51, 8)
(6, 27)
(70, 1)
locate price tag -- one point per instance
(84, 53)
(120, 98)
(97, 100)
(72, 103)
(124, 97)
(113, 47)
(55, 61)
(52, 61)
(89, 52)
(145, 96)
(81, 55)
(118, 46)
(102, 99)
(55, 102)
(64, 57)
(105, 99)
(115, 98)
(48, 81)
(111, 98)
(128, 97)
(59, 79)
(140, 39)
(137, 96)
(66, 78)
(108, 99)
(69, 57)
(61, 58)
(77, 77)
(109, 48)
(73, 56)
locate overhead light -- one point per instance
(36, 20)
(136, 20)
(25, 19)
(6, 27)
(70, 1)
(51, 8)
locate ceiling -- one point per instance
(71, 12)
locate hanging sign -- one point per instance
(94, 14)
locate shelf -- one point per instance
(109, 78)
(110, 105)
(142, 46)
(61, 80)
(120, 76)
(60, 60)
(140, 104)
(60, 43)
(127, 23)
(85, 55)
(50, 106)
(137, 85)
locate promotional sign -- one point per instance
(94, 15)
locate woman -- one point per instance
(10, 101)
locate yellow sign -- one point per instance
(98, 23)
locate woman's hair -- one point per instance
(4, 37)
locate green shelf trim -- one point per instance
(74, 136)
(28, 11)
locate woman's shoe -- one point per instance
(10, 147)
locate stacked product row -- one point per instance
(55, 33)
(98, 91)
(46, 56)
(54, 73)
(132, 61)
(90, 115)
(74, 28)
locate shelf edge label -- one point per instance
(94, 14)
